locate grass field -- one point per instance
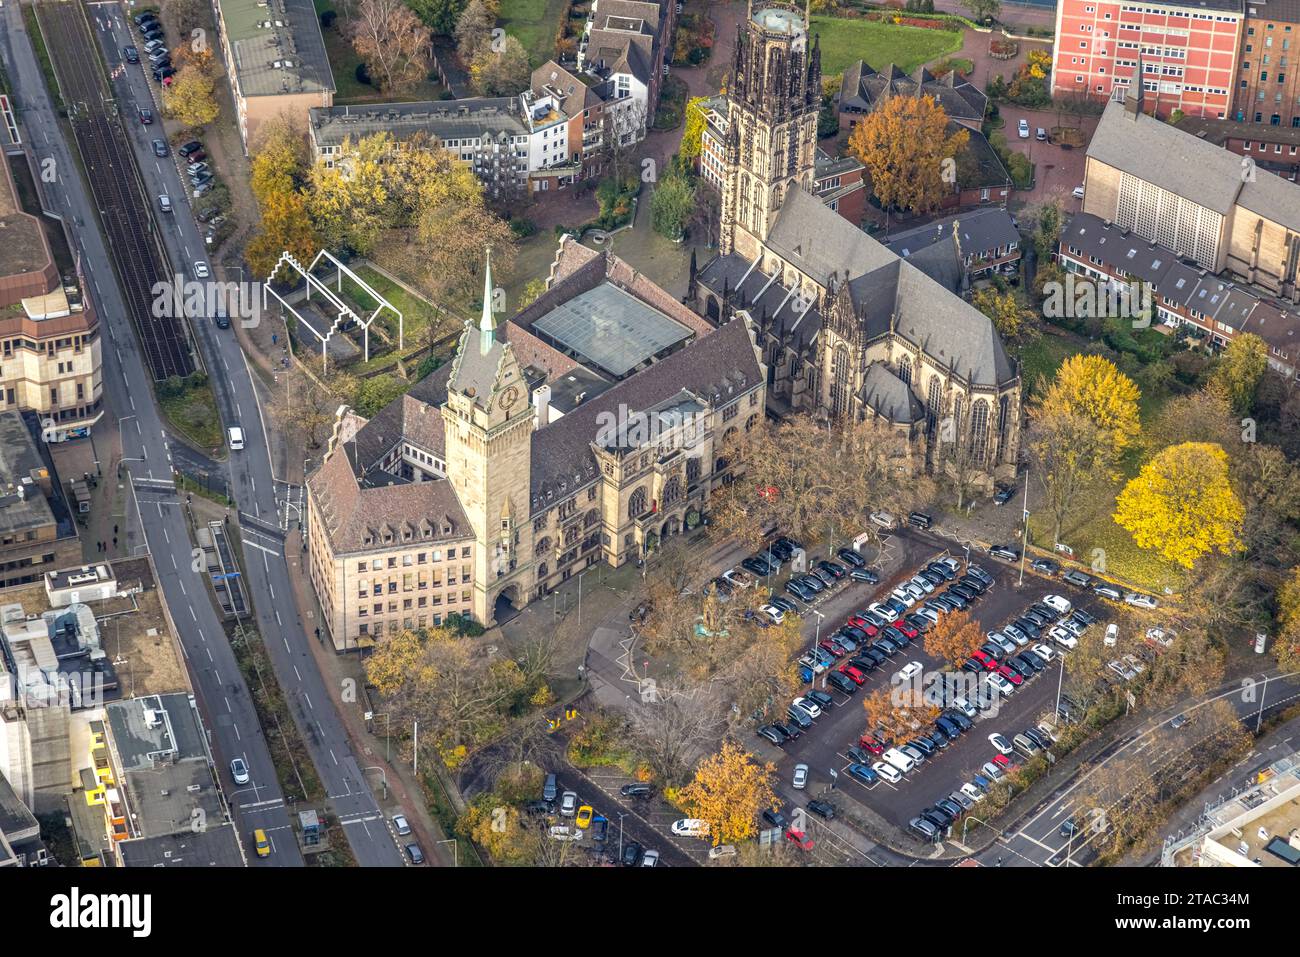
(880, 44)
(194, 413)
(534, 24)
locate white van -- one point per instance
(1058, 604)
(235, 435)
(897, 759)
(884, 520)
(691, 827)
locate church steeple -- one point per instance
(487, 322)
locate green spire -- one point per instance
(487, 324)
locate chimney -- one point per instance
(542, 405)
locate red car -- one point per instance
(833, 648)
(856, 676)
(985, 660)
(799, 839)
(906, 629)
(1011, 675)
(871, 744)
(1002, 761)
(857, 621)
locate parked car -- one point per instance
(863, 773)
(1003, 495)
(1047, 566)
(887, 771)
(1107, 591)
(414, 854)
(1077, 578)
(1078, 192)
(823, 809)
(1140, 601)
(1040, 134)
(632, 852)
(692, 827)
(1005, 552)
(1023, 128)
(864, 575)
(841, 683)
(569, 803)
(850, 557)
(927, 831)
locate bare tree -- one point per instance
(674, 728)
(393, 43)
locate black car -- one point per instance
(823, 809)
(791, 731)
(131, 54)
(939, 818)
(973, 583)
(161, 74)
(859, 755)
(875, 654)
(856, 633)
(813, 583)
(841, 682)
(865, 575)
(1028, 627)
(942, 570)
(947, 726)
(864, 662)
(960, 720)
(896, 636)
(636, 790)
(833, 569)
(962, 591)
(937, 737)
(193, 146)
(1005, 552)
(781, 550)
(933, 577)
(850, 557)
(1047, 566)
(539, 807)
(918, 622)
(980, 573)
(799, 591)
(772, 734)
(774, 819)
(785, 604)
(992, 650)
(1020, 669)
(632, 852)
(884, 647)
(1086, 617)
(798, 717)
(960, 596)
(1040, 739)
(1003, 495)
(919, 520)
(924, 745)
(1027, 661)
(145, 17)
(822, 699)
(756, 567)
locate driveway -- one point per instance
(1057, 170)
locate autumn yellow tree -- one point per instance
(1091, 386)
(693, 135)
(346, 198)
(285, 226)
(896, 713)
(1240, 368)
(191, 97)
(1182, 505)
(909, 152)
(1009, 317)
(953, 637)
(278, 159)
(730, 789)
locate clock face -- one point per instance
(508, 397)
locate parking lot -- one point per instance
(823, 747)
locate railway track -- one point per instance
(116, 185)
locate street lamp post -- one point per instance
(1024, 534)
(1259, 719)
(455, 850)
(620, 835)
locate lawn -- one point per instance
(194, 414)
(1040, 359)
(534, 23)
(880, 44)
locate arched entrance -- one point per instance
(507, 604)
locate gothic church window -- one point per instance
(979, 430)
(636, 504)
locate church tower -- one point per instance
(488, 426)
(774, 93)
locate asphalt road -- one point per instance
(232, 723)
(147, 457)
(260, 497)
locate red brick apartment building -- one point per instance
(1189, 52)
(1267, 88)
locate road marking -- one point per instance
(262, 548)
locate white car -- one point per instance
(903, 595)
(800, 777)
(691, 827)
(972, 792)
(569, 803)
(1141, 601)
(1022, 128)
(1049, 730)
(201, 270)
(1001, 684)
(1000, 742)
(963, 705)
(930, 615)
(908, 672)
(925, 586)
(887, 771)
(1112, 635)
(1047, 653)
(650, 859)
(1058, 604)
(1078, 192)
(401, 825)
(239, 771)
(774, 614)
(1007, 645)
(1063, 637)
(721, 851)
(808, 707)
(952, 563)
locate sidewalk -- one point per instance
(345, 672)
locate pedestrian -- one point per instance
(114, 529)
(115, 541)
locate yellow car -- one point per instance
(585, 814)
(261, 844)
